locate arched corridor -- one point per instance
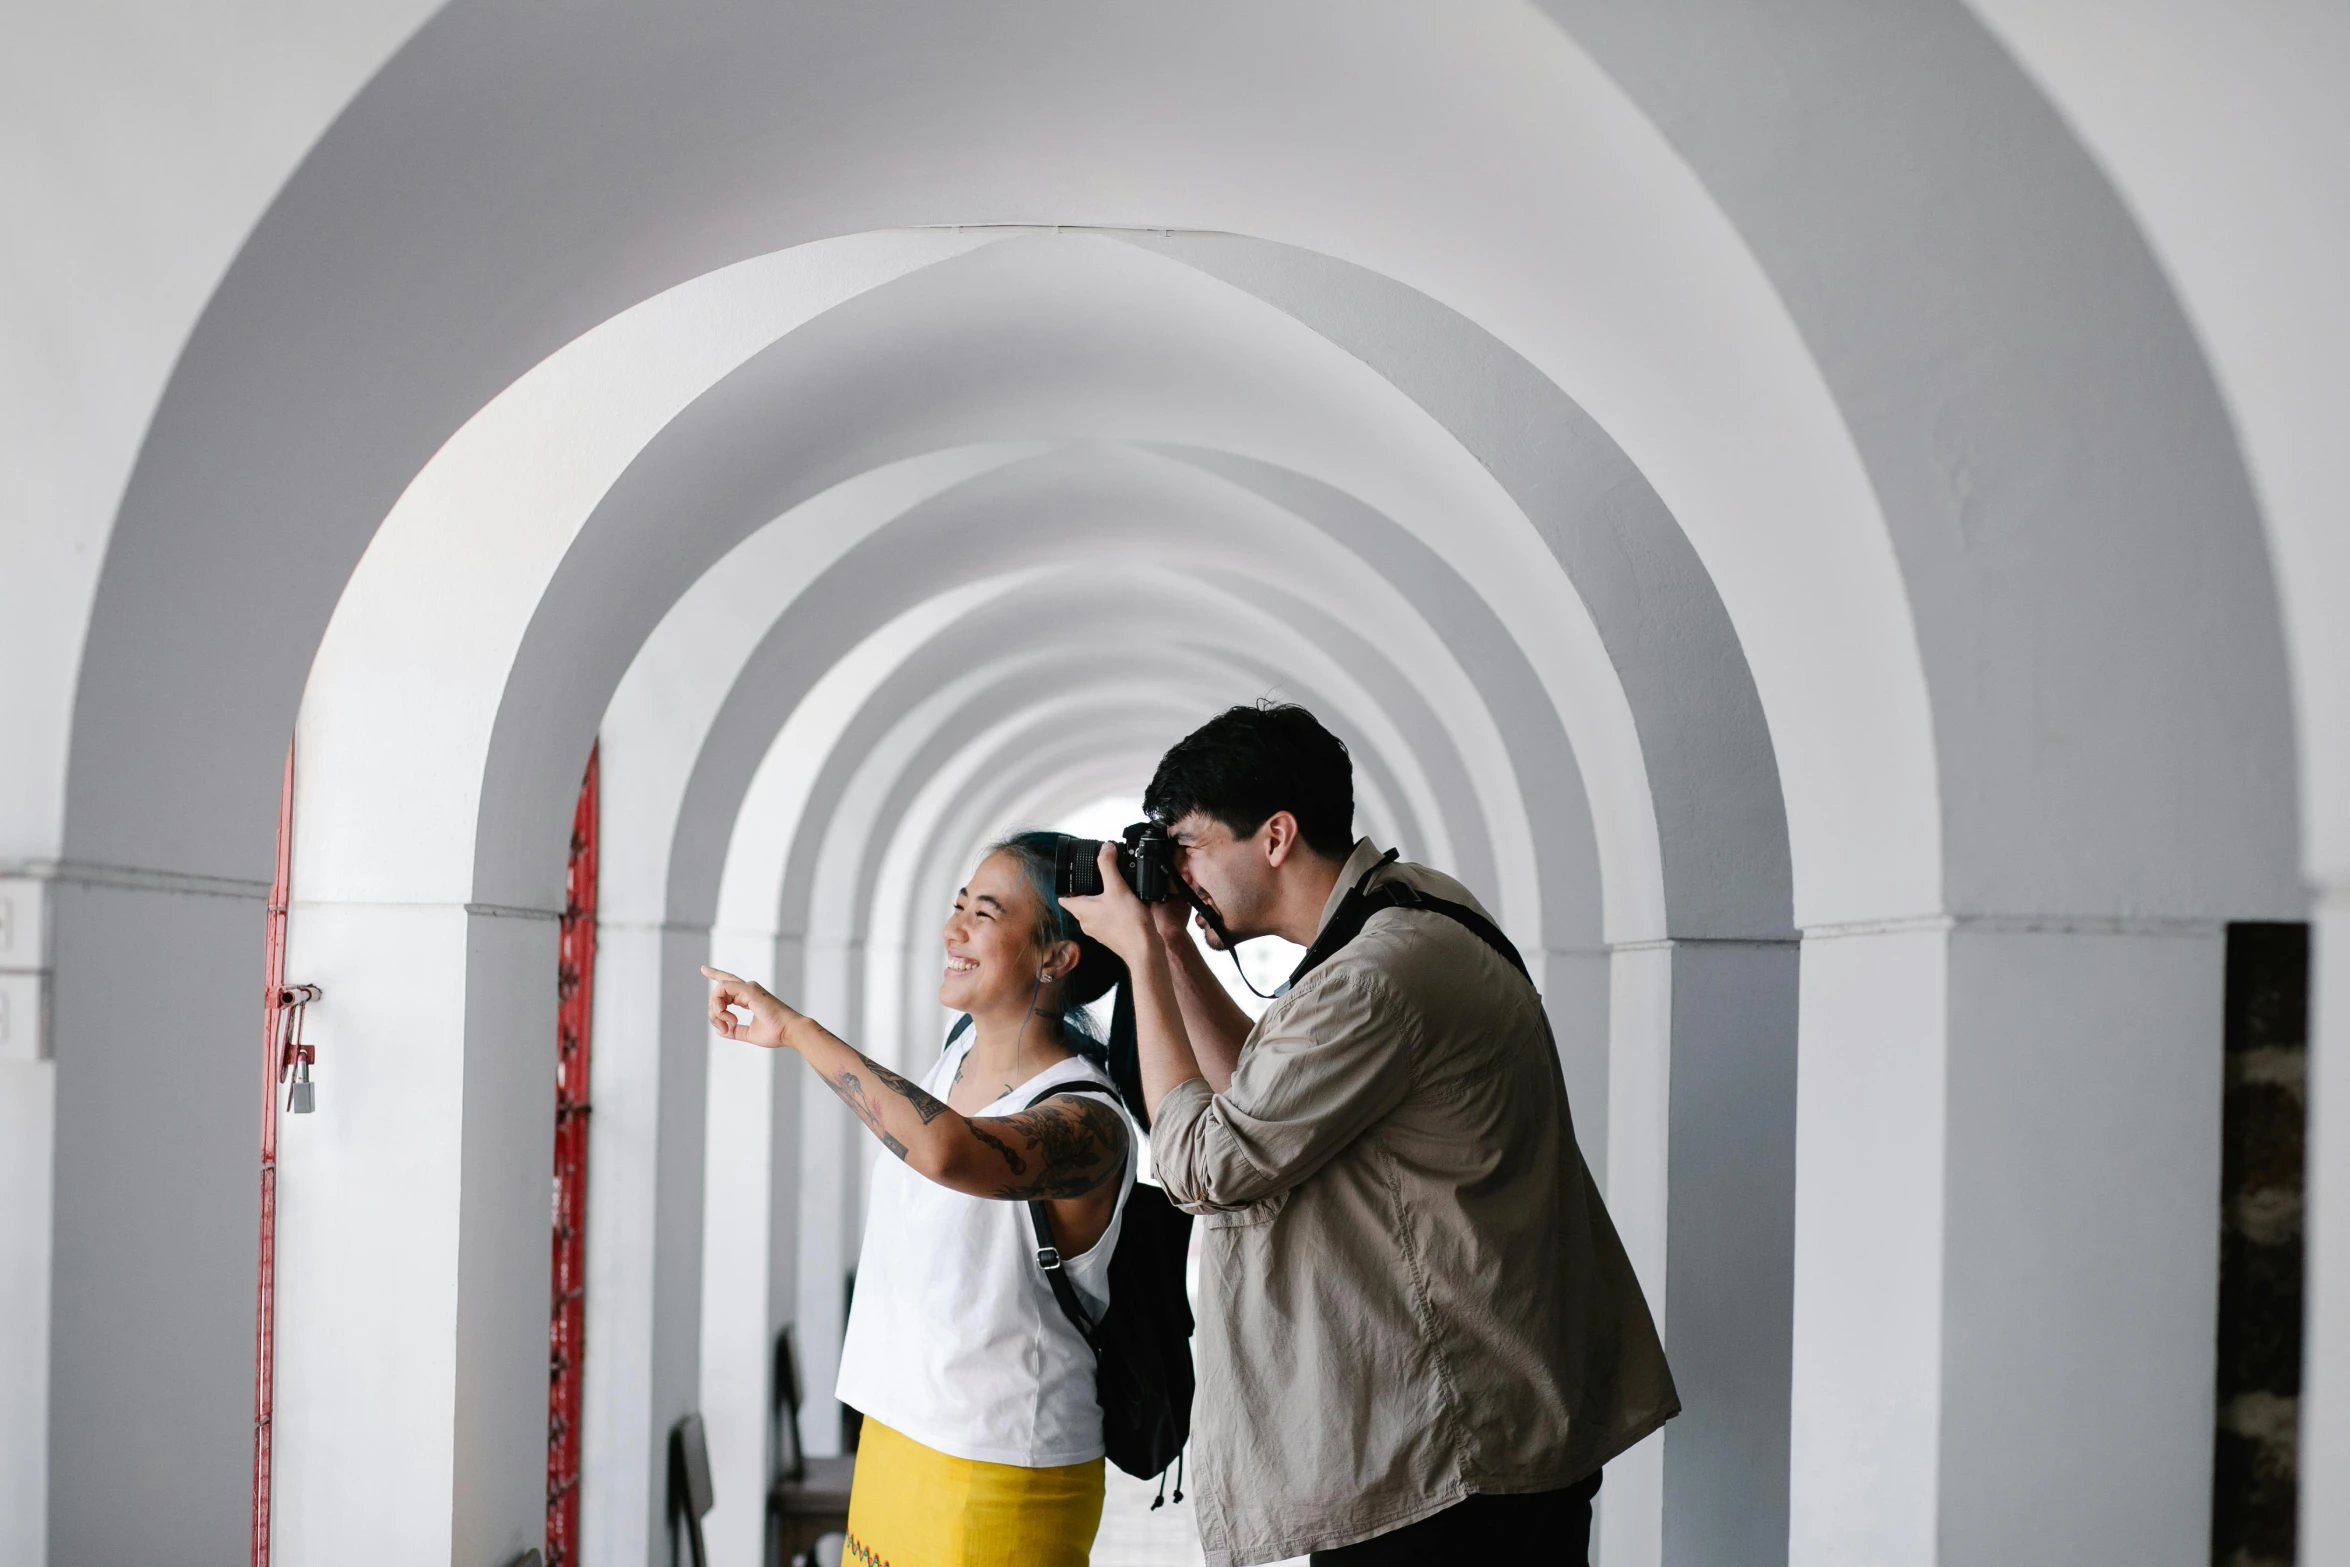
(1824, 522)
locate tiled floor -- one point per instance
(1133, 1535)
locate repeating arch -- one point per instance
(1728, 483)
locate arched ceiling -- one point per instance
(1599, 232)
(1721, 476)
(1338, 461)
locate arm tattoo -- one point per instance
(924, 1106)
(1066, 1148)
(851, 1089)
(1078, 1144)
(1012, 1161)
(852, 1094)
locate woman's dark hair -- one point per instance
(1248, 762)
(1098, 968)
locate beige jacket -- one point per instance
(1409, 1288)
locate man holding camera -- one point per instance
(1419, 1336)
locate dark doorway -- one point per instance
(2255, 1490)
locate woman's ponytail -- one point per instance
(1097, 970)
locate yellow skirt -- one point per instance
(912, 1506)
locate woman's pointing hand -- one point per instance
(770, 1019)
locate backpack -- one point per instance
(1142, 1344)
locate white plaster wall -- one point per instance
(2068, 1050)
(1629, 1527)
(1642, 293)
(745, 1142)
(1865, 1436)
(156, 1216)
(139, 145)
(366, 1443)
(28, 1092)
(1729, 1248)
(503, 1251)
(2225, 129)
(624, 1407)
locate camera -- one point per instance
(1146, 862)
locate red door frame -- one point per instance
(273, 1064)
(575, 976)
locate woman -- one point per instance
(982, 1442)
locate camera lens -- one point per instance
(1077, 870)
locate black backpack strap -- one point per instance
(1048, 1256)
(1403, 895)
(1364, 900)
(1344, 926)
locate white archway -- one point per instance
(1912, 399)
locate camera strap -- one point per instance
(1364, 900)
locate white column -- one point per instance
(2006, 1245)
(156, 1161)
(1866, 1403)
(617, 1487)
(1700, 1176)
(28, 1110)
(828, 1248)
(737, 1227)
(1729, 1250)
(411, 1412)
(2081, 1281)
(645, 1174)
(1629, 1527)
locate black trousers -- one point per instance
(1546, 1527)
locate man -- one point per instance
(1419, 1336)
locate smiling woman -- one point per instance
(983, 1433)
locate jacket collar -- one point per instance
(1366, 854)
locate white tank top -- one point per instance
(954, 1337)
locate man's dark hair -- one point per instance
(1248, 762)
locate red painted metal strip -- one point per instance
(575, 976)
(273, 967)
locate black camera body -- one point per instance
(1146, 863)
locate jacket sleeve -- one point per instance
(1332, 1061)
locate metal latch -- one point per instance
(294, 1056)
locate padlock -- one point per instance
(300, 1098)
